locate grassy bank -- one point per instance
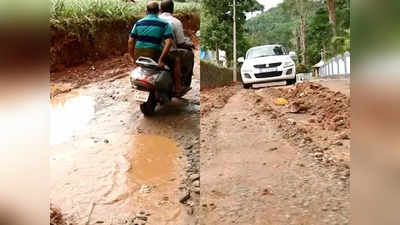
(67, 13)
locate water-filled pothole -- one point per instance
(154, 161)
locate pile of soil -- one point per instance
(330, 109)
(216, 98)
(316, 119)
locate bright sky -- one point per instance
(267, 5)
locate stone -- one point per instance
(318, 155)
(273, 149)
(338, 143)
(194, 177)
(184, 197)
(138, 222)
(196, 190)
(196, 183)
(343, 136)
(189, 146)
(141, 216)
(291, 122)
(307, 139)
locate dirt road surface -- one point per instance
(267, 164)
(110, 164)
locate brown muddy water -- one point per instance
(154, 160)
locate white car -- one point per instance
(267, 63)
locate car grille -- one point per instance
(271, 65)
(269, 74)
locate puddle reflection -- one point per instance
(69, 114)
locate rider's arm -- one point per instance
(167, 36)
(167, 46)
(132, 43)
(131, 47)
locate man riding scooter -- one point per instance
(147, 37)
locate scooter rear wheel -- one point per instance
(149, 107)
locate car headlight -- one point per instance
(288, 64)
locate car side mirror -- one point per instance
(241, 60)
(292, 54)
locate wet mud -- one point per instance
(111, 165)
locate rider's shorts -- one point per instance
(147, 52)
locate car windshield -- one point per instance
(265, 51)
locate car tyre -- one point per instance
(247, 86)
(291, 81)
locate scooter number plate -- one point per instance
(141, 96)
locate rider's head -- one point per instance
(152, 7)
(167, 6)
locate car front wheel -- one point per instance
(291, 81)
(247, 86)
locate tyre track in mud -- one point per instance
(255, 172)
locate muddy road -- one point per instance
(110, 164)
(263, 163)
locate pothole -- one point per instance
(154, 161)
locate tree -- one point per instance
(217, 23)
(332, 16)
(300, 10)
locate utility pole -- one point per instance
(234, 41)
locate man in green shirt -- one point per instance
(147, 37)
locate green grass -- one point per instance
(66, 12)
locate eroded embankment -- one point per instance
(76, 43)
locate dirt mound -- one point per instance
(216, 98)
(331, 109)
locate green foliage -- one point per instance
(281, 25)
(319, 33)
(301, 68)
(64, 13)
(272, 27)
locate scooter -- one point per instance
(153, 85)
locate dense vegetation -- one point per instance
(306, 26)
(64, 13)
